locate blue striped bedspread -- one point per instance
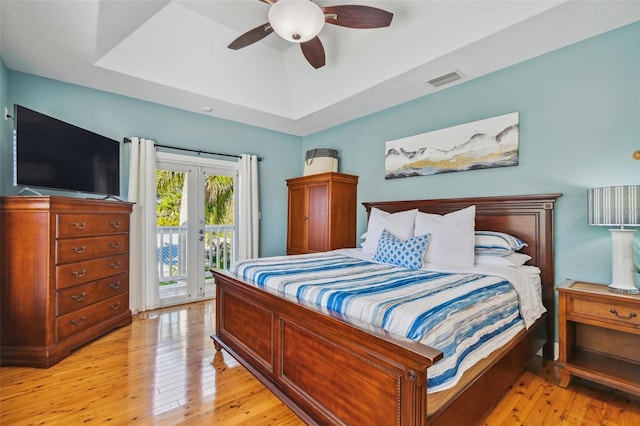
(465, 315)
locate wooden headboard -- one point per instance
(528, 217)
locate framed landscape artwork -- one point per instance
(482, 144)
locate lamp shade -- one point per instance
(614, 205)
(297, 21)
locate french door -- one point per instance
(196, 226)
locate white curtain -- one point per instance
(249, 213)
(143, 282)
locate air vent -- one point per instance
(444, 79)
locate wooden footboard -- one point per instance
(326, 369)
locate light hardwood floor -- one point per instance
(163, 370)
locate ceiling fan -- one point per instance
(300, 21)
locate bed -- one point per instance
(332, 369)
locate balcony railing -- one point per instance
(172, 250)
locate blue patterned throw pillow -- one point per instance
(407, 254)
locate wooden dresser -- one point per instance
(322, 212)
(64, 275)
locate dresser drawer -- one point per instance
(74, 298)
(73, 274)
(76, 321)
(72, 250)
(614, 312)
(79, 225)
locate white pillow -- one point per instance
(497, 243)
(452, 236)
(400, 224)
(514, 260)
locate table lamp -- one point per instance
(617, 206)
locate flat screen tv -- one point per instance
(52, 154)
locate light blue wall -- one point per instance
(579, 124)
(118, 116)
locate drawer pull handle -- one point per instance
(115, 285)
(115, 244)
(79, 250)
(115, 306)
(80, 225)
(80, 321)
(115, 224)
(80, 298)
(80, 274)
(631, 314)
(115, 265)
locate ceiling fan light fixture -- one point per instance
(297, 21)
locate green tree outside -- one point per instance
(219, 196)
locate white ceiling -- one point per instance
(173, 52)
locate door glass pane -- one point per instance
(172, 233)
(219, 226)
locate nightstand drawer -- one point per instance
(615, 312)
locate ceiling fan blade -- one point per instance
(269, 1)
(251, 36)
(354, 16)
(314, 52)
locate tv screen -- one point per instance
(52, 154)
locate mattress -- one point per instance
(466, 314)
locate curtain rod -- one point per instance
(127, 140)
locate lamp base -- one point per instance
(624, 288)
(622, 262)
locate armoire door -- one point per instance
(298, 219)
(318, 214)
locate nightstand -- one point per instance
(599, 335)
